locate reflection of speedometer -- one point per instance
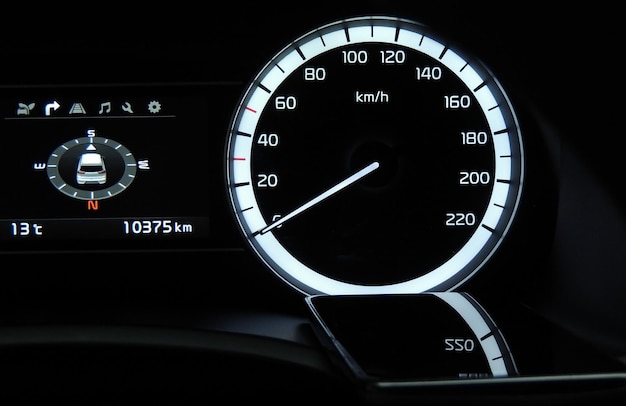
(441, 335)
(371, 156)
(91, 168)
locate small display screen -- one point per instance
(112, 167)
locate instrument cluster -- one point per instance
(397, 202)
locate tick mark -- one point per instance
(299, 51)
(477, 88)
(445, 49)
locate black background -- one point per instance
(560, 65)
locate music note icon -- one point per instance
(105, 107)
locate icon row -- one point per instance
(103, 108)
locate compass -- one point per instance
(91, 167)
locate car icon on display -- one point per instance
(91, 169)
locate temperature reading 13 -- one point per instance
(24, 229)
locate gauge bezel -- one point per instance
(494, 103)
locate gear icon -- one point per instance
(154, 107)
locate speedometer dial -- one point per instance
(372, 156)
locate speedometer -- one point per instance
(370, 156)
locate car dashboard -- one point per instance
(372, 202)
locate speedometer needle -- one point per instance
(339, 186)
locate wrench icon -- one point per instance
(127, 107)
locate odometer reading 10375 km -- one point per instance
(370, 156)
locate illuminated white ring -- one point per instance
(399, 32)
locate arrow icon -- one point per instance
(51, 107)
